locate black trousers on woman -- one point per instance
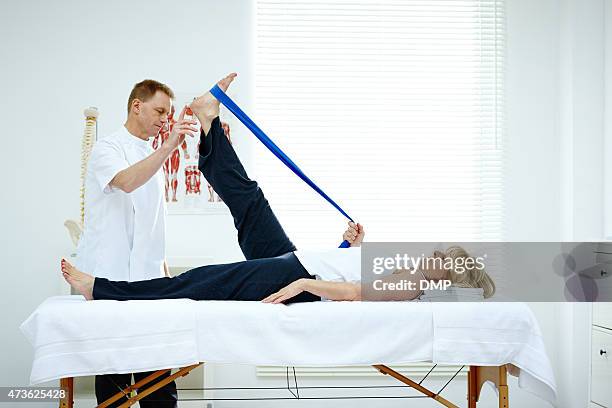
(270, 263)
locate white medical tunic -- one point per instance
(335, 265)
(124, 235)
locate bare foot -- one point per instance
(79, 281)
(206, 107)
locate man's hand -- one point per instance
(354, 234)
(138, 174)
(180, 129)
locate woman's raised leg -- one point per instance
(260, 234)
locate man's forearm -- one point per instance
(138, 174)
(333, 290)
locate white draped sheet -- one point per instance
(72, 337)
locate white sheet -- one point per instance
(479, 333)
(72, 337)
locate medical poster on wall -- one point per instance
(186, 190)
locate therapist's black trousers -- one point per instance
(109, 385)
(270, 265)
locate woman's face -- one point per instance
(436, 270)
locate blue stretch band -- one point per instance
(263, 138)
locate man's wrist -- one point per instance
(165, 149)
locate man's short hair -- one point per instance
(145, 90)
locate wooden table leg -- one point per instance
(472, 392)
(152, 388)
(479, 375)
(388, 371)
(68, 385)
(503, 396)
(128, 390)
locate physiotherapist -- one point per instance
(125, 210)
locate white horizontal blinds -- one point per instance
(395, 108)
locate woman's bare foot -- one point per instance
(79, 281)
(206, 107)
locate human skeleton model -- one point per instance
(171, 165)
(75, 228)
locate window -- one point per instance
(395, 108)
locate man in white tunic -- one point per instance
(125, 218)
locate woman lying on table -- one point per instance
(274, 270)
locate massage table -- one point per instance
(72, 337)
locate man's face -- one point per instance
(153, 114)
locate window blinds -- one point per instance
(395, 108)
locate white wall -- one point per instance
(607, 151)
(581, 98)
(58, 58)
(573, 353)
(63, 56)
(555, 118)
(532, 145)
(584, 149)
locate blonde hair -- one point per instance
(472, 277)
